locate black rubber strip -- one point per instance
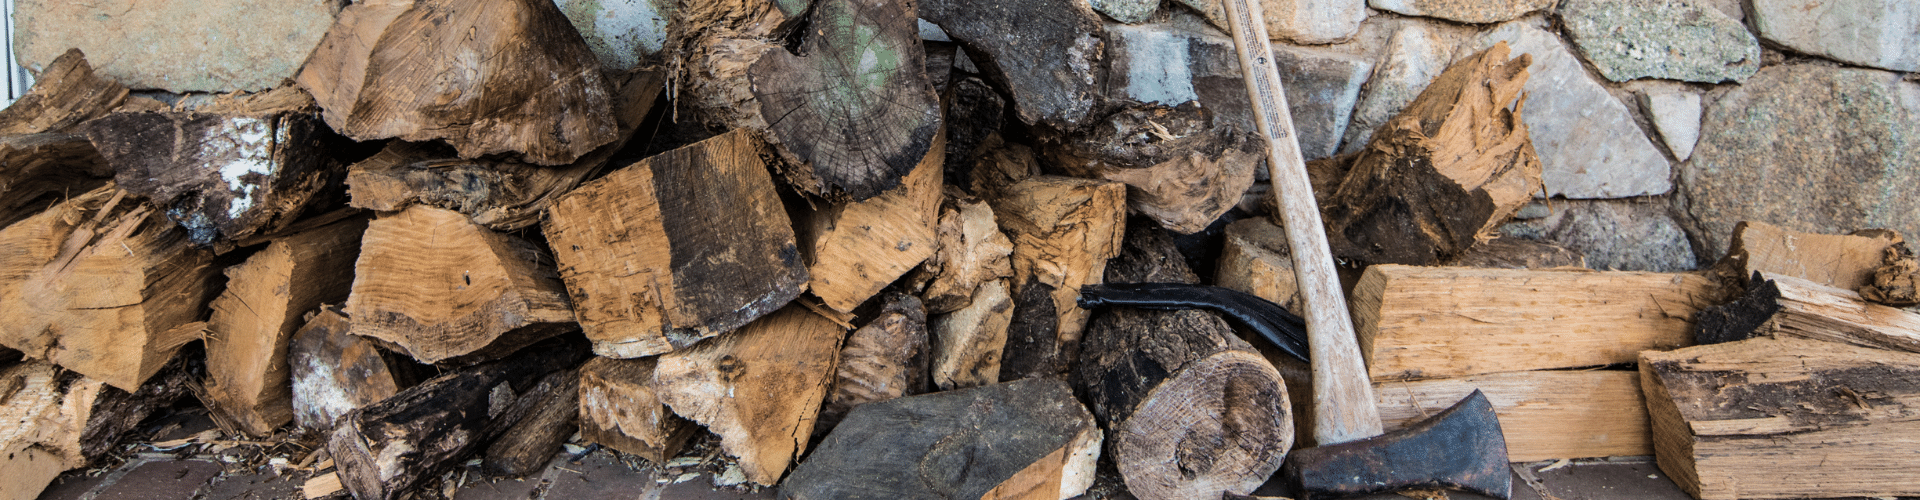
(1285, 330)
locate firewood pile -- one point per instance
(856, 258)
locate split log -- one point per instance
(487, 76)
(1444, 173)
(1785, 418)
(676, 248)
(1190, 409)
(1544, 414)
(884, 359)
(383, 450)
(1419, 323)
(254, 320)
(335, 372)
(1028, 439)
(621, 409)
(1844, 261)
(1814, 311)
(968, 343)
(855, 249)
(225, 175)
(972, 251)
(433, 285)
(758, 388)
(711, 46)
(1255, 258)
(1182, 168)
(527, 446)
(1063, 231)
(44, 169)
(52, 420)
(64, 95)
(856, 113)
(102, 285)
(1045, 52)
(504, 195)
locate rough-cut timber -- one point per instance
(854, 249)
(1437, 322)
(335, 372)
(502, 194)
(487, 76)
(856, 113)
(884, 359)
(1191, 410)
(42, 170)
(968, 342)
(1785, 418)
(972, 252)
(226, 175)
(65, 94)
(1444, 173)
(1254, 258)
(758, 387)
(1182, 167)
(620, 408)
(1844, 261)
(433, 285)
(676, 248)
(52, 420)
(530, 444)
(1063, 230)
(1046, 53)
(255, 318)
(1020, 440)
(1544, 414)
(383, 450)
(101, 284)
(1814, 311)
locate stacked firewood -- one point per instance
(454, 235)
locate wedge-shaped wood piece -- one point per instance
(383, 450)
(488, 76)
(44, 169)
(335, 372)
(621, 409)
(1785, 418)
(1814, 311)
(1028, 440)
(856, 113)
(64, 95)
(1045, 52)
(1844, 261)
(968, 343)
(433, 285)
(101, 284)
(1190, 410)
(1063, 230)
(884, 359)
(252, 168)
(676, 248)
(759, 387)
(1182, 168)
(855, 249)
(255, 318)
(972, 251)
(1544, 414)
(1440, 322)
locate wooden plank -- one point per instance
(1545, 414)
(1785, 418)
(1439, 322)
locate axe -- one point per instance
(1461, 448)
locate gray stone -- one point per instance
(1879, 33)
(1306, 22)
(1466, 11)
(1617, 235)
(1127, 11)
(1588, 143)
(1676, 115)
(176, 45)
(1413, 58)
(622, 33)
(1670, 39)
(1810, 148)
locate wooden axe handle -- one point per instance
(1343, 408)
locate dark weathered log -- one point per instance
(335, 372)
(1063, 230)
(855, 249)
(856, 113)
(383, 450)
(52, 420)
(711, 46)
(1045, 52)
(975, 111)
(677, 247)
(252, 168)
(488, 76)
(254, 320)
(1182, 168)
(64, 95)
(1029, 439)
(620, 408)
(43, 169)
(102, 250)
(885, 359)
(1218, 419)
(530, 444)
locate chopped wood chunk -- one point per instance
(1046, 52)
(64, 95)
(1063, 231)
(1182, 168)
(335, 372)
(1543, 414)
(621, 409)
(1814, 311)
(854, 249)
(885, 359)
(1844, 261)
(968, 343)
(44, 169)
(52, 420)
(529, 445)
(1255, 259)
(972, 252)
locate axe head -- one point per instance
(1459, 449)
